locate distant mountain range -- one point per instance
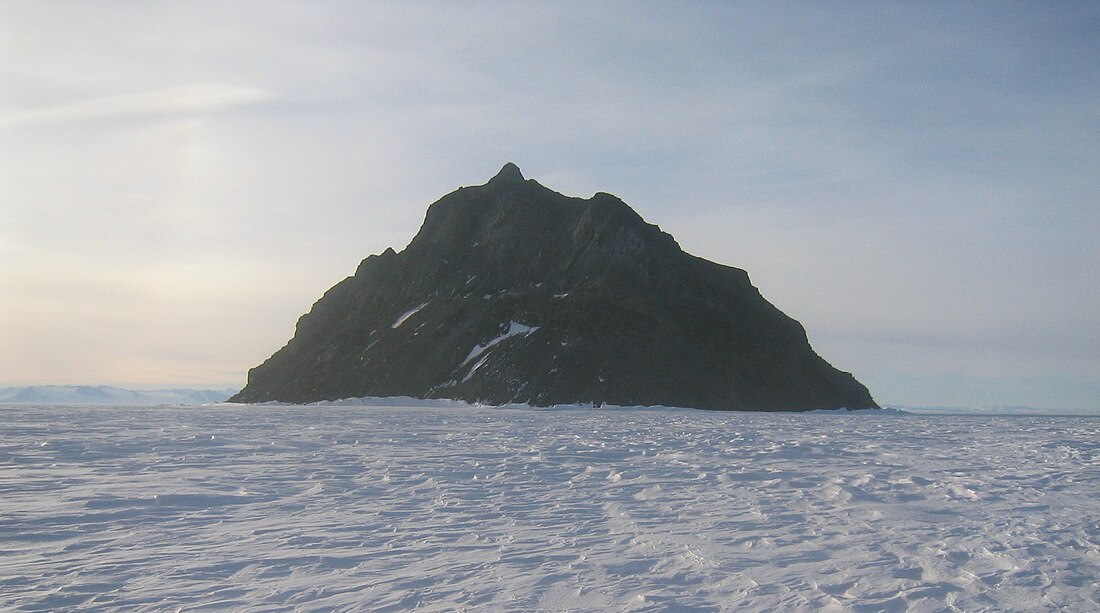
(990, 410)
(105, 394)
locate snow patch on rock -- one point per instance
(515, 328)
(406, 315)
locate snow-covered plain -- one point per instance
(466, 508)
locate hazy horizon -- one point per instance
(915, 184)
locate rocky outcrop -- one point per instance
(512, 292)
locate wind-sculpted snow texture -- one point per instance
(433, 509)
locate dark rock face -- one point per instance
(512, 292)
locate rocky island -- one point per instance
(514, 293)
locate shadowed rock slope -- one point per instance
(512, 292)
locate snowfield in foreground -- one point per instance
(434, 509)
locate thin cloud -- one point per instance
(191, 98)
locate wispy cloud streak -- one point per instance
(188, 99)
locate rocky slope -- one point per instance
(512, 292)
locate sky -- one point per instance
(915, 182)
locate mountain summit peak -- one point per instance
(509, 172)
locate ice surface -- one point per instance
(463, 508)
